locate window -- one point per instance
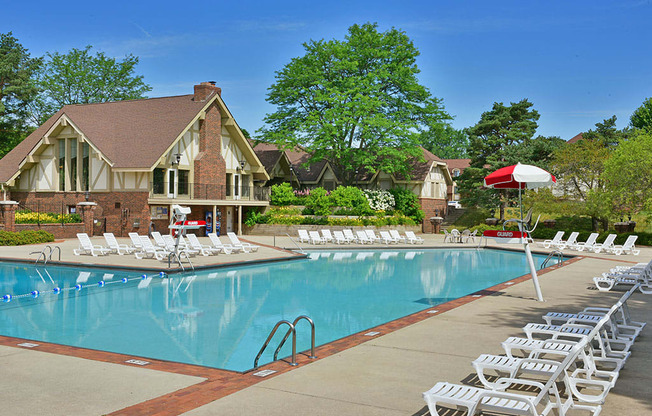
(456, 173)
(85, 167)
(158, 181)
(182, 184)
(62, 165)
(228, 183)
(73, 164)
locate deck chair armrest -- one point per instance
(578, 337)
(604, 386)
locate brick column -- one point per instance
(8, 213)
(87, 212)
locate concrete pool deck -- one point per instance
(384, 375)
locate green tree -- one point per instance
(445, 141)
(81, 77)
(17, 90)
(493, 144)
(642, 116)
(606, 133)
(356, 103)
(628, 175)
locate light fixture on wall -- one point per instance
(176, 159)
(87, 195)
(242, 165)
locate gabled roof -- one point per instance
(269, 154)
(576, 138)
(420, 170)
(460, 164)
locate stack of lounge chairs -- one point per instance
(591, 244)
(364, 237)
(638, 274)
(570, 362)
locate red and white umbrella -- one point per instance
(519, 177)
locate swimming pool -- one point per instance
(220, 318)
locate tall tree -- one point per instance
(81, 77)
(17, 90)
(445, 141)
(356, 103)
(642, 116)
(492, 144)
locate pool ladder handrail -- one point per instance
(178, 256)
(293, 242)
(47, 257)
(291, 330)
(558, 254)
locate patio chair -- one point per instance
(339, 238)
(171, 245)
(348, 234)
(371, 234)
(205, 250)
(327, 236)
(315, 238)
(87, 247)
(225, 248)
(149, 250)
(555, 242)
(607, 246)
(303, 236)
(628, 246)
(362, 238)
(412, 238)
(387, 238)
(469, 236)
(448, 237)
(455, 235)
(587, 245)
(115, 247)
(397, 236)
(235, 241)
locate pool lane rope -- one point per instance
(78, 287)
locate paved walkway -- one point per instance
(382, 376)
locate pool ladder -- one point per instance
(46, 257)
(178, 257)
(291, 330)
(555, 253)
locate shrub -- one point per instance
(255, 217)
(379, 200)
(407, 202)
(319, 201)
(348, 197)
(282, 195)
(30, 217)
(8, 238)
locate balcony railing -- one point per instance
(209, 191)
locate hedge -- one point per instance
(20, 238)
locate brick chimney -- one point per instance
(205, 89)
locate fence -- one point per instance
(210, 191)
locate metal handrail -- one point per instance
(46, 257)
(295, 243)
(312, 336)
(269, 338)
(560, 258)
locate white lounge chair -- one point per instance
(327, 236)
(171, 245)
(387, 238)
(587, 245)
(205, 250)
(572, 240)
(397, 236)
(225, 248)
(339, 238)
(247, 247)
(315, 238)
(115, 247)
(303, 236)
(412, 238)
(555, 242)
(371, 234)
(87, 247)
(136, 244)
(362, 238)
(627, 247)
(607, 283)
(607, 246)
(158, 239)
(149, 250)
(348, 234)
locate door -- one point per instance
(172, 183)
(229, 219)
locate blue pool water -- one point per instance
(220, 318)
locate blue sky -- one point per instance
(579, 62)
